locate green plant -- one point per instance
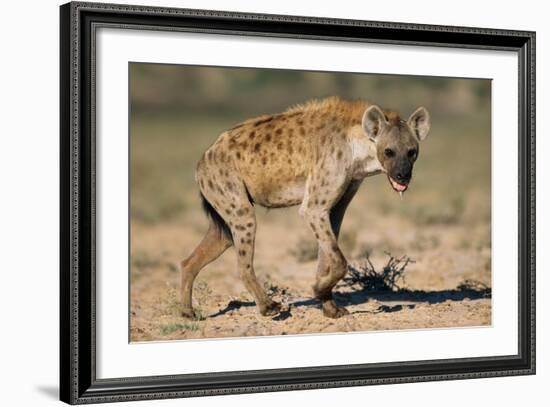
(178, 326)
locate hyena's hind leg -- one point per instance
(243, 227)
(233, 209)
(214, 243)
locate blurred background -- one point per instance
(443, 220)
(178, 111)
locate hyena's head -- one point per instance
(396, 142)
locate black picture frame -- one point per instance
(78, 382)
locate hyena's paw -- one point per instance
(331, 310)
(271, 308)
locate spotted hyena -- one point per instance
(314, 155)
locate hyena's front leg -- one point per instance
(321, 197)
(323, 268)
(336, 265)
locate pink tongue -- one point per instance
(397, 185)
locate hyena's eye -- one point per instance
(412, 153)
(388, 152)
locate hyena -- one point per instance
(314, 155)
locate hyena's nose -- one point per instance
(403, 177)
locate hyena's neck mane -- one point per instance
(352, 110)
(349, 110)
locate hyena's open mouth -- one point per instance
(397, 186)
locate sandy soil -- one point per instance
(445, 255)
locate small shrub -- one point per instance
(365, 275)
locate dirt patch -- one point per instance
(447, 285)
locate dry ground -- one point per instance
(445, 257)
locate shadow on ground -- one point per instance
(431, 297)
(362, 297)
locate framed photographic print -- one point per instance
(255, 203)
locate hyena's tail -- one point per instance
(216, 218)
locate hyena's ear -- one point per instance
(374, 121)
(420, 123)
